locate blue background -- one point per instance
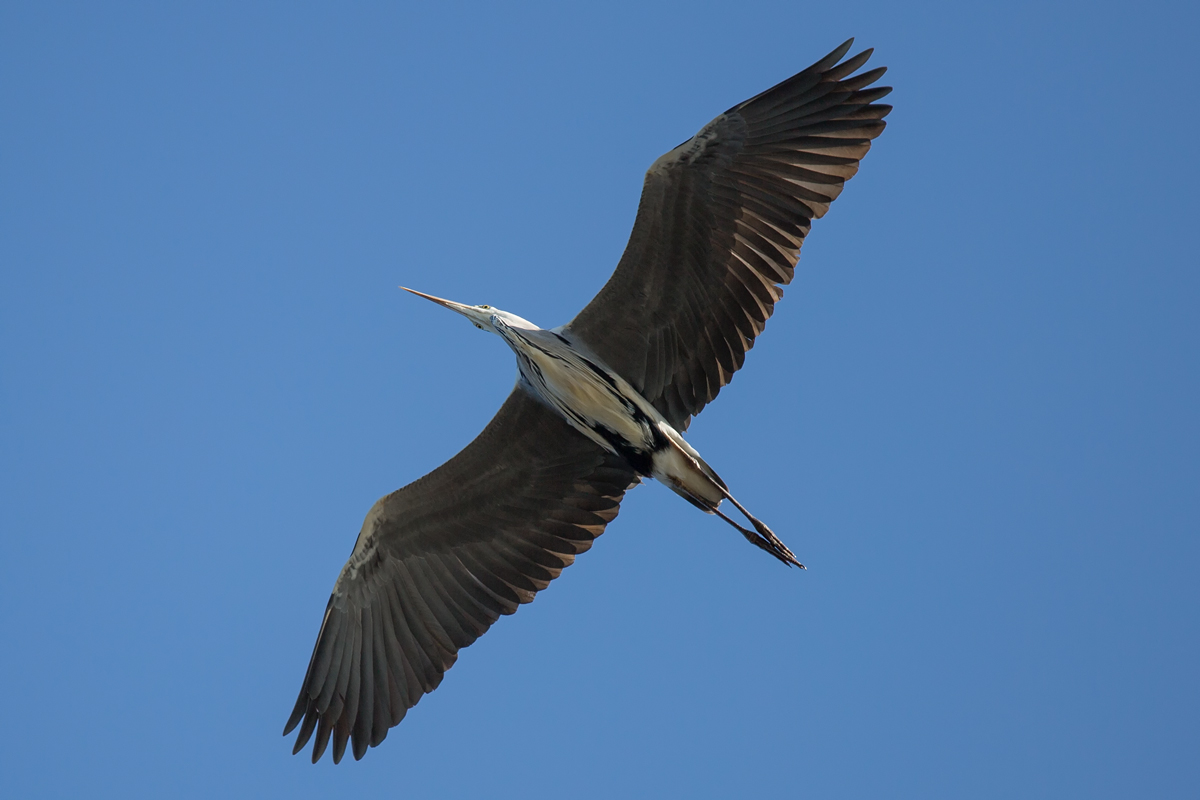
(974, 416)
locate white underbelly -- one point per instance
(587, 401)
(582, 391)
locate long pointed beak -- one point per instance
(450, 304)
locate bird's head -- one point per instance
(481, 317)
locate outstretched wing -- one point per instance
(719, 230)
(438, 561)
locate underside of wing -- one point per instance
(719, 229)
(438, 561)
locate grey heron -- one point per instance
(600, 403)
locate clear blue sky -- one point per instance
(974, 415)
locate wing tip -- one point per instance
(297, 715)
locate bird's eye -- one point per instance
(485, 308)
(477, 325)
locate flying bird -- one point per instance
(600, 403)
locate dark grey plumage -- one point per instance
(719, 229)
(440, 560)
(718, 232)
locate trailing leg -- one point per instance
(681, 468)
(762, 536)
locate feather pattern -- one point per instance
(719, 229)
(440, 560)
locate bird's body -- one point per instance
(600, 404)
(594, 400)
